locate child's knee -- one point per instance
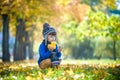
(47, 61)
(45, 64)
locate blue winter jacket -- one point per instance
(45, 53)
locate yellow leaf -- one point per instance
(50, 72)
(53, 42)
(28, 78)
(70, 72)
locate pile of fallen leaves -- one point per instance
(29, 70)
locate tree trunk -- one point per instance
(29, 44)
(31, 50)
(99, 57)
(91, 6)
(114, 49)
(31, 41)
(5, 40)
(20, 41)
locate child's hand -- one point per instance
(60, 49)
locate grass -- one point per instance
(91, 61)
(68, 70)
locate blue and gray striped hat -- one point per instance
(47, 29)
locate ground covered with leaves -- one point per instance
(69, 70)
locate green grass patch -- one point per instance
(68, 70)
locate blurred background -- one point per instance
(86, 29)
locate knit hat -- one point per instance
(47, 29)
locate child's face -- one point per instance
(51, 37)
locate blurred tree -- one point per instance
(19, 49)
(22, 38)
(106, 26)
(74, 14)
(99, 5)
(102, 48)
(4, 12)
(78, 40)
(5, 41)
(113, 31)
